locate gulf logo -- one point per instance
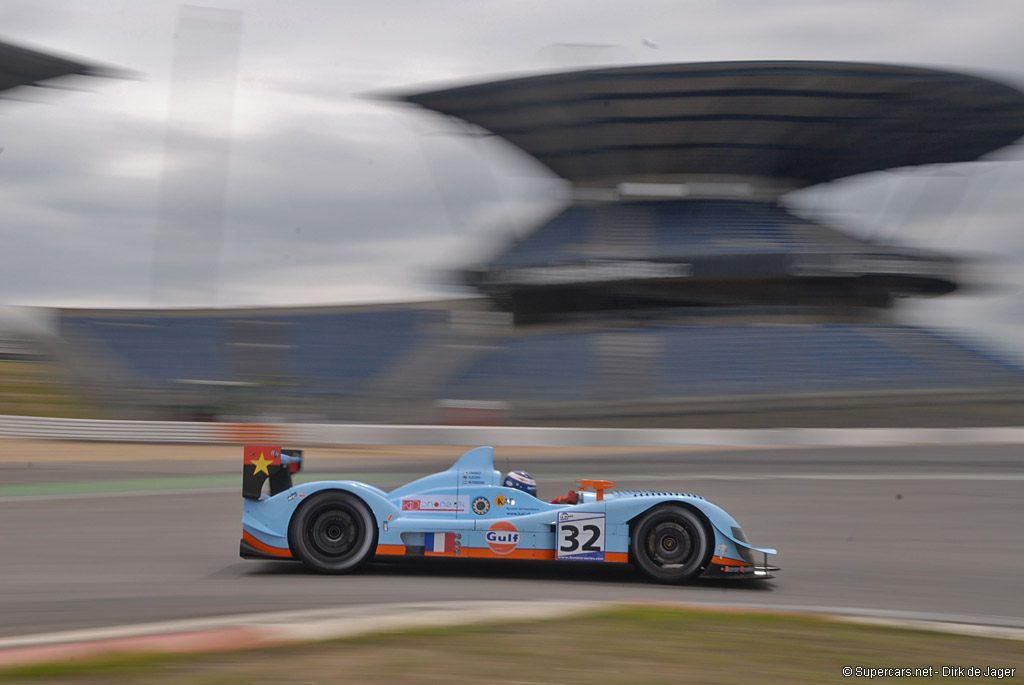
(502, 537)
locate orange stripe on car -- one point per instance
(264, 547)
(722, 561)
(390, 549)
(487, 553)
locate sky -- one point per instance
(330, 195)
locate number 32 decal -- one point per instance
(580, 536)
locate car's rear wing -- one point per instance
(263, 462)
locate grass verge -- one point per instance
(621, 645)
(35, 389)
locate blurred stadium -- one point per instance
(674, 287)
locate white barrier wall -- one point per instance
(308, 434)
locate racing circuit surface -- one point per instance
(925, 531)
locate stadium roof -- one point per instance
(23, 67)
(805, 122)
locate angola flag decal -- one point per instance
(261, 462)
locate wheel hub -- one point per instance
(333, 533)
(673, 543)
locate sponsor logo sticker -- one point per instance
(481, 506)
(439, 503)
(499, 500)
(502, 537)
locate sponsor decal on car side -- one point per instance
(436, 503)
(473, 478)
(502, 537)
(481, 506)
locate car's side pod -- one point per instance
(263, 462)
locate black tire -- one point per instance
(670, 544)
(333, 532)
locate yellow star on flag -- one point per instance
(261, 464)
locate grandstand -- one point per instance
(700, 252)
(202, 363)
(665, 230)
(674, 282)
(676, 361)
(394, 363)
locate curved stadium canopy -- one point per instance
(23, 67)
(805, 122)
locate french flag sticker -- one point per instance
(439, 542)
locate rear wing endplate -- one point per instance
(261, 463)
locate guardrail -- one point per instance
(310, 434)
(43, 428)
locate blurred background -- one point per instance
(404, 214)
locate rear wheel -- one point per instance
(670, 544)
(333, 532)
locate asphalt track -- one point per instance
(925, 531)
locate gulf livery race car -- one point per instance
(466, 511)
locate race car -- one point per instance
(468, 511)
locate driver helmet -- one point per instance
(521, 480)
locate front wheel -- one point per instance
(670, 544)
(333, 532)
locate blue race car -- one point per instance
(470, 511)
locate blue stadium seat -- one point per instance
(738, 359)
(160, 348)
(720, 227)
(339, 353)
(675, 228)
(330, 352)
(549, 367)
